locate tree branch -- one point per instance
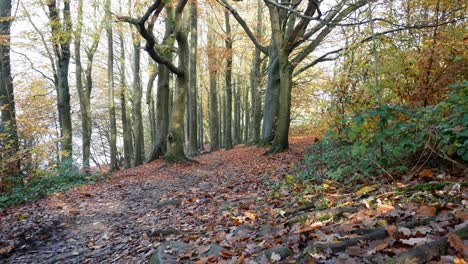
(244, 25)
(325, 57)
(154, 9)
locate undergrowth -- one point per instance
(67, 175)
(393, 141)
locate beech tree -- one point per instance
(110, 84)
(175, 138)
(293, 39)
(61, 30)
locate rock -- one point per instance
(214, 250)
(265, 230)
(167, 252)
(243, 229)
(283, 252)
(173, 202)
(6, 247)
(165, 232)
(205, 186)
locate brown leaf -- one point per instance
(457, 243)
(426, 210)
(356, 251)
(392, 230)
(241, 259)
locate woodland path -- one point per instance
(117, 221)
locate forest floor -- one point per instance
(227, 208)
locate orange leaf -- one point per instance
(392, 230)
(251, 215)
(426, 174)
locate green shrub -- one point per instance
(66, 176)
(390, 139)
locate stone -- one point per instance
(283, 252)
(168, 252)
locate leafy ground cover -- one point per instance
(238, 206)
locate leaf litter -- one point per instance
(226, 209)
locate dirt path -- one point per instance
(118, 220)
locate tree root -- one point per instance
(379, 233)
(322, 215)
(304, 207)
(424, 253)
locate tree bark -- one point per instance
(213, 72)
(163, 98)
(270, 108)
(125, 114)
(175, 138)
(137, 97)
(150, 100)
(9, 144)
(82, 91)
(192, 95)
(110, 79)
(228, 102)
(61, 38)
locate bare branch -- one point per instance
(325, 57)
(244, 25)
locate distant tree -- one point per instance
(61, 29)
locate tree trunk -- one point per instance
(214, 115)
(246, 115)
(125, 114)
(163, 97)
(280, 142)
(110, 79)
(150, 100)
(82, 94)
(228, 102)
(61, 36)
(137, 95)
(192, 95)
(9, 144)
(270, 109)
(175, 137)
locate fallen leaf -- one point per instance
(365, 189)
(415, 241)
(251, 215)
(385, 208)
(275, 256)
(426, 210)
(457, 243)
(405, 231)
(392, 230)
(426, 174)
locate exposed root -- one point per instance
(318, 215)
(377, 234)
(424, 253)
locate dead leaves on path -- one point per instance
(225, 210)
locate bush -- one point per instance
(66, 176)
(393, 140)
